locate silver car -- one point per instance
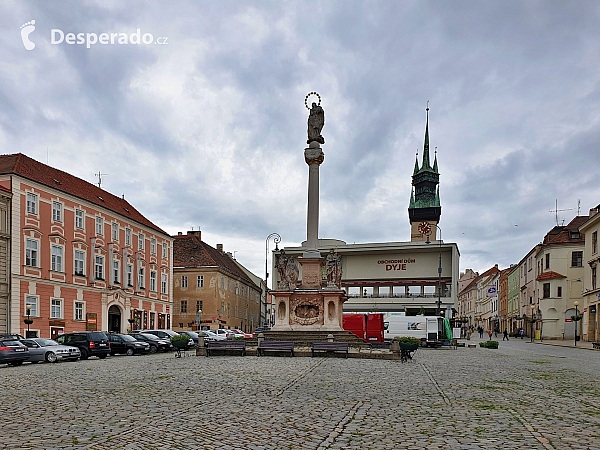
(50, 351)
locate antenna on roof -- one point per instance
(99, 175)
(578, 206)
(556, 211)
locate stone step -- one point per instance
(306, 338)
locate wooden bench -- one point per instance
(329, 347)
(234, 344)
(287, 346)
(596, 345)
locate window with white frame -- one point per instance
(141, 278)
(164, 250)
(129, 274)
(31, 252)
(99, 226)
(116, 272)
(56, 308)
(79, 219)
(78, 311)
(184, 281)
(200, 281)
(153, 246)
(32, 301)
(127, 236)
(140, 241)
(99, 268)
(57, 212)
(57, 258)
(163, 283)
(31, 204)
(79, 262)
(153, 280)
(237, 290)
(115, 232)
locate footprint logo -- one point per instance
(26, 30)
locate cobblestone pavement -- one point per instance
(478, 398)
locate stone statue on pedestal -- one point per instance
(316, 121)
(288, 271)
(334, 270)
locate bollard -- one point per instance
(261, 337)
(201, 350)
(395, 347)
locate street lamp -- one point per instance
(277, 240)
(439, 302)
(28, 321)
(198, 319)
(532, 320)
(576, 303)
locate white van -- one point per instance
(420, 327)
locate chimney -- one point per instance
(220, 248)
(195, 233)
(179, 233)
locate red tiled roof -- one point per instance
(33, 170)
(549, 275)
(190, 251)
(492, 271)
(562, 235)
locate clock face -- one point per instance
(424, 228)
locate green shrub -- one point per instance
(183, 338)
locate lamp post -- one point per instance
(532, 320)
(576, 320)
(439, 302)
(277, 240)
(28, 321)
(198, 319)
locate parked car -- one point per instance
(223, 332)
(155, 342)
(192, 334)
(260, 330)
(209, 335)
(165, 334)
(17, 337)
(241, 333)
(50, 351)
(13, 352)
(89, 343)
(128, 345)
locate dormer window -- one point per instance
(574, 234)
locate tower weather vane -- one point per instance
(316, 120)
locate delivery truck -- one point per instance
(431, 330)
(368, 327)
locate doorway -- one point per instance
(114, 319)
(56, 331)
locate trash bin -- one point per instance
(537, 334)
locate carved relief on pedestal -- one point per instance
(288, 271)
(306, 311)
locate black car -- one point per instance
(90, 343)
(13, 352)
(16, 337)
(155, 342)
(126, 344)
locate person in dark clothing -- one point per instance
(505, 335)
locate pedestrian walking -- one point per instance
(480, 329)
(521, 332)
(490, 334)
(505, 335)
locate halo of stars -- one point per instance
(308, 95)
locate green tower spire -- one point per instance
(416, 164)
(435, 167)
(426, 164)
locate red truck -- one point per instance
(368, 327)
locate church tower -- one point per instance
(424, 210)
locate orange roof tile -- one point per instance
(549, 276)
(26, 167)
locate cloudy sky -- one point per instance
(208, 130)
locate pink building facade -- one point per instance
(81, 258)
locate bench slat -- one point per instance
(276, 346)
(226, 345)
(329, 347)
